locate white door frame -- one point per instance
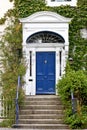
(30, 86)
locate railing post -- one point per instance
(16, 101)
(17, 111)
(74, 103)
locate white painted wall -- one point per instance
(4, 6)
(61, 2)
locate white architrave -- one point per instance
(44, 21)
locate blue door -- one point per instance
(45, 73)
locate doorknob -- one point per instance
(45, 61)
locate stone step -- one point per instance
(41, 116)
(43, 126)
(41, 121)
(42, 98)
(33, 107)
(44, 102)
(42, 112)
(49, 111)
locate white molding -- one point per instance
(45, 17)
(44, 21)
(43, 45)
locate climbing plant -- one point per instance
(76, 82)
(13, 66)
(11, 43)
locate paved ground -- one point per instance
(16, 129)
(34, 129)
(27, 129)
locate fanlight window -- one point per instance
(45, 37)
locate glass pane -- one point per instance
(45, 37)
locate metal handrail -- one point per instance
(16, 101)
(74, 103)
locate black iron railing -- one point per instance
(74, 103)
(16, 101)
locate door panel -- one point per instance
(45, 73)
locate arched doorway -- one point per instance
(45, 48)
(45, 61)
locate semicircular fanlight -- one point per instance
(45, 37)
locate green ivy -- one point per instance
(2, 20)
(13, 66)
(11, 45)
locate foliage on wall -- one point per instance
(13, 66)
(79, 21)
(74, 82)
(11, 48)
(11, 41)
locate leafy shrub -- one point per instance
(6, 123)
(75, 81)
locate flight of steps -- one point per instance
(42, 112)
